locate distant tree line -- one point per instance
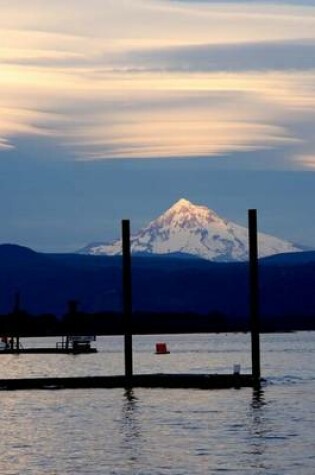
(108, 323)
(75, 322)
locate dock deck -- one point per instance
(180, 381)
(48, 350)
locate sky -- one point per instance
(114, 109)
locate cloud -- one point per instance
(235, 57)
(117, 24)
(308, 161)
(261, 56)
(101, 79)
(4, 145)
(260, 2)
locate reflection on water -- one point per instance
(131, 442)
(258, 400)
(258, 430)
(129, 422)
(164, 431)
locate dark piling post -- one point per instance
(127, 297)
(254, 293)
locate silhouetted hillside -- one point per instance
(293, 258)
(160, 285)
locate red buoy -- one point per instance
(161, 349)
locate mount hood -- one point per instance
(195, 230)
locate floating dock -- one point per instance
(179, 381)
(48, 350)
(68, 345)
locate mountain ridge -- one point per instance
(197, 231)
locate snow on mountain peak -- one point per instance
(183, 211)
(196, 230)
(184, 205)
(182, 202)
(181, 205)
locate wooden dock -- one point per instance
(49, 350)
(179, 381)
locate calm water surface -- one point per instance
(159, 431)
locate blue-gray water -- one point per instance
(155, 431)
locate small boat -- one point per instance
(161, 349)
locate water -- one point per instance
(161, 431)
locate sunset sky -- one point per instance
(117, 108)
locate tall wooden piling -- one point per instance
(127, 297)
(254, 293)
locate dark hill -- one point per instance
(292, 258)
(10, 253)
(47, 281)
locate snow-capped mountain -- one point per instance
(197, 230)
